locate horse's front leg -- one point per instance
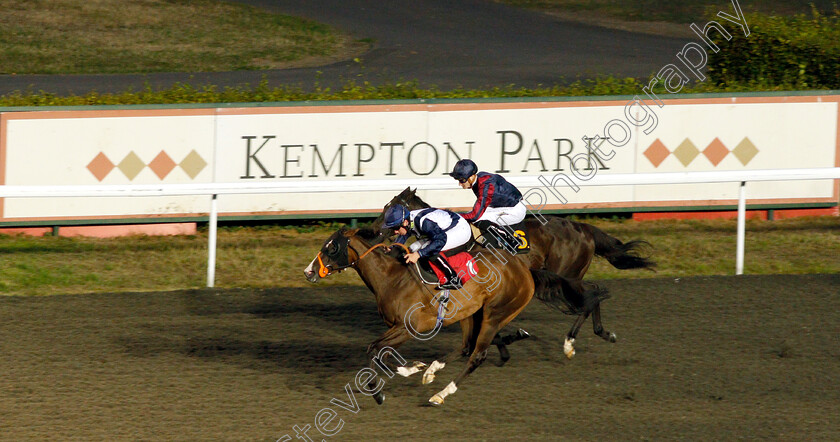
(379, 349)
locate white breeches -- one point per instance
(505, 216)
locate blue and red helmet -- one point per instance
(464, 169)
(394, 216)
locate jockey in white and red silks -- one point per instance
(437, 231)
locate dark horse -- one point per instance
(491, 299)
(565, 248)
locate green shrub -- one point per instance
(801, 50)
(262, 93)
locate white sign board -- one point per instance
(415, 142)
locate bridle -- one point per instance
(325, 270)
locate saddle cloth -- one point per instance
(464, 265)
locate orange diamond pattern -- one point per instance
(100, 166)
(656, 153)
(716, 151)
(162, 165)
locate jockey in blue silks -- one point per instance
(498, 201)
(437, 231)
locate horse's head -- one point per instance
(334, 256)
(407, 198)
(337, 254)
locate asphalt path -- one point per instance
(438, 43)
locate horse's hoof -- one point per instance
(416, 367)
(379, 398)
(438, 398)
(429, 374)
(568, 348)
(612, 337)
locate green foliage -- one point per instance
(683, 11)
(184, 93)
(802, 51)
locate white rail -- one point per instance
(213, 190)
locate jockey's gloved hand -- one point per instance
(395, 252)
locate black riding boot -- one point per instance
(488, 239)
(453, 282)
(505, 236)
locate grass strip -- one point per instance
(272, 256)
(116, 36)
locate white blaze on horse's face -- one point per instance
(316, 270)
(311, 271)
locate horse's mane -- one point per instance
(367, 233)
(410, 197)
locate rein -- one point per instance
(323, 270)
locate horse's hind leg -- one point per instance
(478, 356)
(469, 334)
(568, 345)
(501, 342)
(492, 322)
(598, 328)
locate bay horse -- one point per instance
(562, 247)
(491, 299)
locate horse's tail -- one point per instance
(621, 255)
(571, 296)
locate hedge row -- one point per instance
(801, 50)
(187, 94)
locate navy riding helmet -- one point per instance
(464, 169)
(395, 215)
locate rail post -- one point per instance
(211, 242)
(742, 215)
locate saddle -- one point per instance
(429, 276)
(512, 238)
(461, 260)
